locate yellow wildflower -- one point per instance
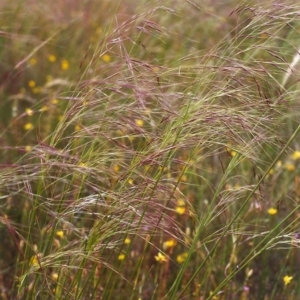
(160, 257)
(169, 244)
(28, 148)
(180, 208)
(116, 168)
(54, 276)
(287, 279)
(180, 202)
(296, 155)
(60, 233)
(29, 111)
(290, 167)
(183, 178)
(181, 257)
(77, 127)
(64, 64)
(272, 211)
(146, 168)
(127, 241)
(32, 61)
(139, 122)
(31, 83)
(34, 261)
(130, 181)
(51, 58)
(121, 256)
(54, 101)
(28, 126)
(106, 58)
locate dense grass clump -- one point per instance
(149, 150)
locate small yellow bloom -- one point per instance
(127, 241)
(116, 168)
(180, 202)
(290, 167)
(160, 257)
(130, 181)
(60, 233)
(32, 61)
(181, 257)
(29, 112)
(233, 153)
(28, 148)
(121, 256)
(34, 261)
(183, 178)
(180, 210)
(139, 122)
(51, 58)
(54, 276)
(106, 58)
(169, 244)
(272, 211)
(287, 279)
(28, 126)
(296, 155)
(64, 64)
(54, 101)
(31, 83)
(77, 127)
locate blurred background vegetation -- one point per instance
(149, 149)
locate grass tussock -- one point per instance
(150, 150)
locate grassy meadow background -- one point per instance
(149, 149)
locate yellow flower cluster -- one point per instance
(180, 208)
(160, 258)
(287, 279)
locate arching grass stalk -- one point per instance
(159, 176)
(173, 290)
